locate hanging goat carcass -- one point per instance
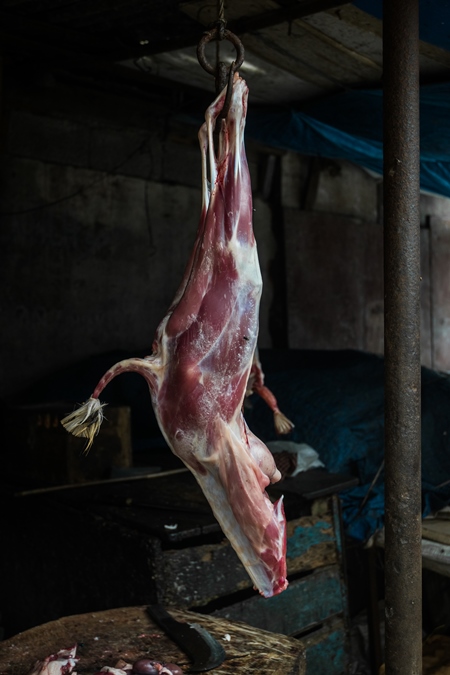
(202, 356)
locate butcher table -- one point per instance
(104, 638)
(97, 547)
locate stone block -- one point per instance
(440, 284)
(435, 205)
(49, 139)
(88, 274)
(181, 164)
(346, 189)
(294, 168)
(334, 270)
(129, 152)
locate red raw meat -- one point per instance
(61, 663)
(255, 385)
(202, 356)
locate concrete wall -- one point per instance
(334, 260)
(98, 220)
(100, 202)
(439, 289)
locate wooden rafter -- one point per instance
(68, 43)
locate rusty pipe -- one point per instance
(403, 557)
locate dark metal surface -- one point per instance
(172, 508)
(316, 484)
(223, 74)
(214, 34)
(402, 338)
(204, 650)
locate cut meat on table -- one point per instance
(61, 663)
(202, 356)
(64, 661)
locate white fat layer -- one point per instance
(228, 439)
(61, 663)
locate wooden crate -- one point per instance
(46, 455)
(197, 575)
(211, 578)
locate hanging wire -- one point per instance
(220, 24)
(83, 188)
(222, 73)
(221, 10)
(144, 146)
(217, 54)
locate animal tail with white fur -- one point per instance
(85, 421)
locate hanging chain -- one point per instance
(218, 32)
(223, 74)
(221, 23)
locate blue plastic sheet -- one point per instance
(349, 126)
(336, 400)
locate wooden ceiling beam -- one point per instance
(245, 25)
(58, 60)
(18, 26)
(82, 12)
(22, 3)
(288, 13)
(76, 45)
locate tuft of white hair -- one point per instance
(282, 424)
(85, 421)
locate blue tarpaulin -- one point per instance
(349, 126)
(336, 401)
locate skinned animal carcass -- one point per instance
(203, 353)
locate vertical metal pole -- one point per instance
(403, 559)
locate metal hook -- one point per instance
(221, 72)
(226, 103)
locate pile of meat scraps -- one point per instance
(64, 662)
(61, 663)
